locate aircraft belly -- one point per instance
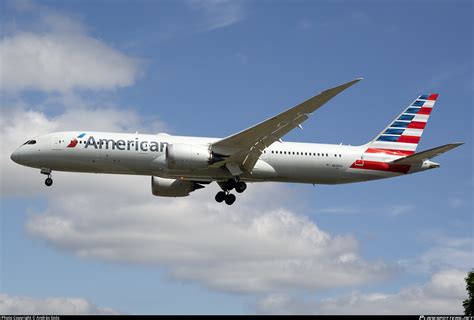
(95, 161)
(306, 171)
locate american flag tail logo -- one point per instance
(402, 135)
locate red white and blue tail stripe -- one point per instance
(402, 136)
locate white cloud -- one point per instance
(55, 305)
(445, 256)
(15, 129)
(61, 57)
(446, 253)
(58, 62)
(442, 294)
(244, 248)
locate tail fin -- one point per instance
(401, 137)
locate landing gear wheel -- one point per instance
(230, 199)
(220, 196)
(47, 171)
(48, 182)
(240, 186)
(230, 184)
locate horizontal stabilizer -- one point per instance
(428, 154)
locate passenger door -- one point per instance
(57, 143)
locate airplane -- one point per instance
(179, 165)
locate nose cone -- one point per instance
(15, 156)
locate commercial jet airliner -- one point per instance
(179, 165)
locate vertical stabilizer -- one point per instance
(402, 135)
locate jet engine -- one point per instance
(172, 187)
(180, 156)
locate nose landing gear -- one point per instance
(228, 185)
(49, 181)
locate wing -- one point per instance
(427, 154)
(241, 151)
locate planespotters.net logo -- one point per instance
(73, 142)
(446, 318)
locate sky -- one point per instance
(103, 244)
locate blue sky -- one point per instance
(212, 68)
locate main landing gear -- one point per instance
(225, 194)
(229, 198)
(49, 181)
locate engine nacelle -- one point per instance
(180, 156)
(172, 187)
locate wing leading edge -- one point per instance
(244, 148)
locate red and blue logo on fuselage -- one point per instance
(74, 141)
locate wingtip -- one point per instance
(358, 79)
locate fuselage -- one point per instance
(145, 154)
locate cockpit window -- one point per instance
(29, 142)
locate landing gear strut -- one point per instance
(49, 181)
(225, 194)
